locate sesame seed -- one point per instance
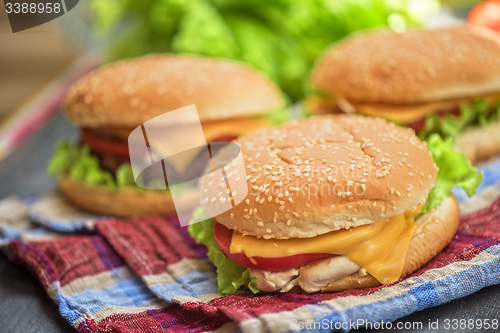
(260, 224)
(247, 216)
(288, 222)
(374, 204)
(409, 195)
(410, 174)
(398, 193)
(354, 219)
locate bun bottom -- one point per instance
(122, 202)
(436, 230)
(479, 143)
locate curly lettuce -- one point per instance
(454, 170)
(76, 161)
(479, 113)
(230, 276)
(279, 37)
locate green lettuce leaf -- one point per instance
(230, 276)
(478, 113)
(76, 161)
(454, 170)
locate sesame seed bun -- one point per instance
(123, 202)
(130, 92)
(326, 173)
(436, 230)
(417, 66)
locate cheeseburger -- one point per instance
(334, 203)
(442, 81)
(110, 102)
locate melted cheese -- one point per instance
(401, 113)
(379, 248)
(233, 127)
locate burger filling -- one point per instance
(447, 118)
(379, 248)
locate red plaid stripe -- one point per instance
(148, 244)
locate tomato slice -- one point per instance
(104, 146)
(223, 237)
(486, 14)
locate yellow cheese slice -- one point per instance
(233, 127)
(379, 248)
(403, 113)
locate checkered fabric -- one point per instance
(148, 275)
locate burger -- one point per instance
(441, 81)
(334, 203)
(109, 103)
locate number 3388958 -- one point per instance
(32, 8)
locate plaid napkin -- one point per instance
(147, 275)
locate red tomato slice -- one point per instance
(104, 146)
(223, 237)
(486, 14)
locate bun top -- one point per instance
(130, 92)
(417, 66)
(326, 173)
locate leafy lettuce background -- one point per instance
(279, 37)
